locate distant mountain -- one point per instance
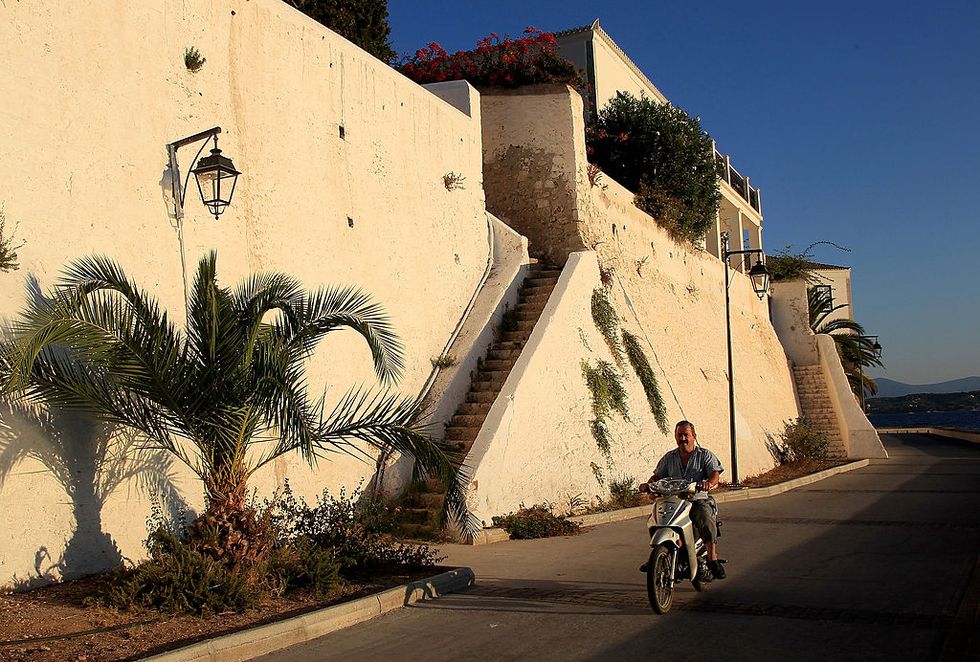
(889, 388)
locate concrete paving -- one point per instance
(866, 565)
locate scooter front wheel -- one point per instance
(660, 579)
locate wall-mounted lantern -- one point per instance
(216, 175)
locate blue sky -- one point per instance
(858, 120)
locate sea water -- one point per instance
(959, 420)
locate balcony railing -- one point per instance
(738, 181)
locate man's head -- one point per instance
(685, 436)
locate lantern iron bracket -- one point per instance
(180, 189)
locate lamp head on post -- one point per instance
(759, 276)
(216, 178)
(215, 174)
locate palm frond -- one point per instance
(328, 309)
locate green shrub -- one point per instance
(661, 154)
(801, 440)
(178, 579)
(357, 531)
(8, 249)
(315, 546)
(623, 494)
(641, 366)
(536, 522)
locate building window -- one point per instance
(826, 293)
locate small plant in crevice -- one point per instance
(453, 181)
(606, 274)
(641, 366)
(193, 60)
(595, 176)
(8, 249)
(538, 521)
(508, 321)
(607, 321)
(642, 262)
(443, 361)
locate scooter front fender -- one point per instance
(674, 536)
(665, 535)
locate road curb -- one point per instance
(247, 644)
(492, 535)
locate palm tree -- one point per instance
(226, 396)
(855, 349)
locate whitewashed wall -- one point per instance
(536, 445)
(92, 94)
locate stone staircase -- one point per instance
(817, 407)
(421, 507)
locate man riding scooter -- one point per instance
(697, 465)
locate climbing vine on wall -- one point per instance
(607, 321)
(608, 395)
(638, 359)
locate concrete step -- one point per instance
(528, 315)
(514, 336)
(537, 299)
(499, 365)
(474, 409)
(497, 377)
(415, 515)
(503, 354)
(461, 433)
(457, 447)
(482, 397)
(432, 500)
(538, 281)
(468, 420)
(507, 345)
(534, 291)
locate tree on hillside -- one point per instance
(364, 22)
(226, 396)
(855, 349)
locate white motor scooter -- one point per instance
(677, 552)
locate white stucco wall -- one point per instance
(92, 95)
(675, 295)
(536, 444)
(668, 294)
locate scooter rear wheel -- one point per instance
(660, 579)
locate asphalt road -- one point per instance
(867, 565)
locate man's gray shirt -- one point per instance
(699, 467)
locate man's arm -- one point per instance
(711, 482)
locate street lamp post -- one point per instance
(759, 276)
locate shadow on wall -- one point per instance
(90, 460)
